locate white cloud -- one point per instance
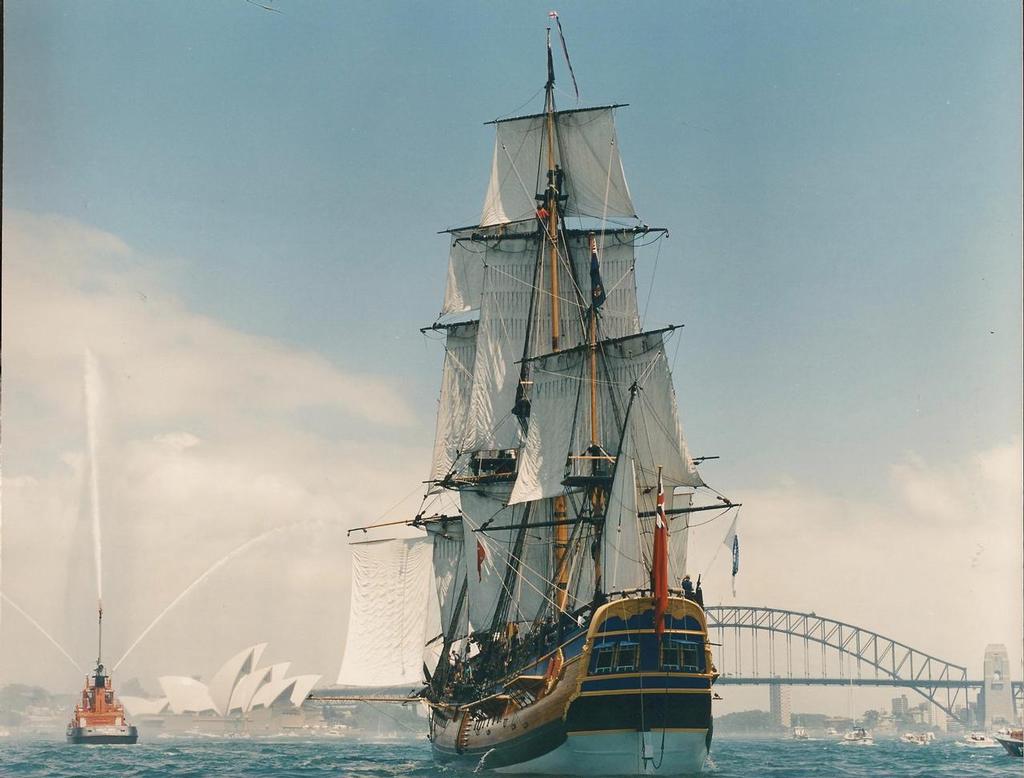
(932, 558)
(200, 450)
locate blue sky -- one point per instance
(842, 182)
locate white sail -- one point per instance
(678, 538)
(658, 434)
(560, 429)
(466, 262)
(585, 147)
(532, 594)
(472, 251)
(391, 582)
(625, 553)
(487, 553)
(543, 461)
(456, 389)
(504, 312)
(618, 316)
(449, 571)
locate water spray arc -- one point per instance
(91, 380)
(209, 571)
(42, 631)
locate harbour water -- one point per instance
(731, 758)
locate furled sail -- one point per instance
(585, 147)
(456, 387)
(391, 585)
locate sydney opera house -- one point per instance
(241, 697)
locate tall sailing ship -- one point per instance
(563, 643)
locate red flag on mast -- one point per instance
(481, 555)
(659, 568)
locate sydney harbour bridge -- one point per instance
(772, 646)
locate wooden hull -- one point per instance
(596, 718)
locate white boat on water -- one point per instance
(799, 733)
(857, 737)
(978, 740)
(917, 739)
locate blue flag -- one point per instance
(597, 294)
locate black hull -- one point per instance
(1013, 747)
(83, 736)
(613, 714)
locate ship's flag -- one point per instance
(481, 555)
(659, 571)
(732, 542)
(597, 293)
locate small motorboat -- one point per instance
(858, 736)
(917, 739)
(978, 740)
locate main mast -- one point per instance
(552, 202)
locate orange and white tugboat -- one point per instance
(99, 717)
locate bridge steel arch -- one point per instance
(940, 682)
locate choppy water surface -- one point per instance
(411, 759)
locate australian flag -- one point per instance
(596, 287)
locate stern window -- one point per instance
(671, 656)
(603, 659)
(626, 656)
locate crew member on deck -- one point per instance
(698, 594)
(687, 587)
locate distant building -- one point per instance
(998, 688)
(780, 706)
(900, 707)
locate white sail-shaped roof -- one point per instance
(276, 693)
(456, 388)
(585, 147)
(223, 682)
(186, 695)
(246, 687)
(391, 581)
(303, 685)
